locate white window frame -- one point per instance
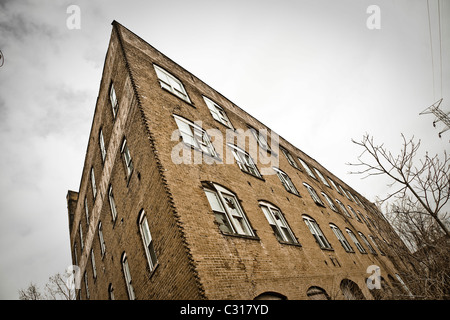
(127, 275)
(354, 213)
(262, 139)
(101, 141)
(321, 177)
(289, 158)
(113, 99)
(278, 222)
(80, 230)
(355, 241)
(217, 112)
(111, 292)
(307, 168)
(404, 285)
(376, 244)
(314, 195)
(363, 237)
(101, 239)
(244, 160)
(231, 220)
(330, 202)
(94, 268)
(125, 151)
(340, 236)
(94, 186)
(171, 83)
(317, 232)
(343, 209)
(147, 241)
(112, 203)
(86, 209)
(193, 135)
(334, 185)
(286, 181)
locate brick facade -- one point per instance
(195, 259)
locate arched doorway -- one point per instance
(350, 290)
(317, 293)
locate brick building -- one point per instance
(184, 195)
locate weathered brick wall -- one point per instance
(234, 267)
(196, 260)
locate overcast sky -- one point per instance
(312, 71)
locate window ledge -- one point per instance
(237, 235)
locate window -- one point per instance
(113, 99)
(404, 285)
(278, 223)
(86, 209)
(371, 249)
(355, 241)
(341, 205)
(102, 145)
(127, 158)
(81, 236)
(374, 241)
(94, 187)
(317, 293)
(94, 269)
(147, 240)
(262, 141)
(343, 192)
(244, 161)
(227, 211)
(354, 213)
(286, 181)
(217, 112)
(193, 135)
(127, 275)
(86, 285)
(321, 177)
(290, 158)
(341, 238)
(170, 83)
(334, 185)
(101, 239)
(316, 232)
(330, 202)
(314, 195)
(111, 292)
(362, 216)
(307, 168)
(112, 203)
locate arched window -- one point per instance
(371, 249)
(341, 205)
(314, 195)
(317, 293)
(286, 181)
(316, 232)
(278, 223)
(355, 241)
(350, 290)
(111, 292)
(341, 238)
(147, 240)
(244, 160)
(227, 210)
(330, 202)
(127, 275)
(269, 295)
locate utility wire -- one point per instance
(431, 45)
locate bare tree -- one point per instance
(423, 185)
(30, 293)
(57, 288)
(417, 209)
